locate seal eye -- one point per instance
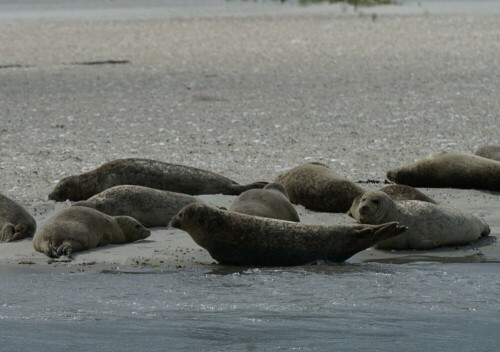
(375, 201)
(137, 226)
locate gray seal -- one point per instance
(429, 225)
(79, 228)
(449, 170)
(240, 239)
(270, 202)
(489, 152)
(16, 222)
(319, 188)
(152, 207)
(147, 173)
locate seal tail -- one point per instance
(238, 189)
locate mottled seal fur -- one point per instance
(79, 228)
(489, 152)
(397, 193)
(16, 222)
(270, 202)
(152, 207)
(317, 187)
(240, 239)
(429, 225)
(147, 173)
(449, 170)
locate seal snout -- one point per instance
(176, 221)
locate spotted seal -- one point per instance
(147, 173)
(270, 202)
(16, 222)
(240, 239)
(317, 187)
(449, 170)
(79, 228)
(397, 193)
(152, 207)
(429, 225)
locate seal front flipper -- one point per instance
(7, 233)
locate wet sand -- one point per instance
(247, 96)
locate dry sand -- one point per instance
(247, 96)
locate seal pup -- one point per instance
(270, 202)
(79, 228)
(148, 173)
(397, 193)
(317, 187)
(16, 222)
(429, 225)
(449, 170)
(152, 207)
(240, 239)
(489, 152)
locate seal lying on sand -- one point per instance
(78, 228)
(152, 207)
(317, 187)
(15, 221)
(148, 173)
(489, 152)
(429, 225)
(402, 192)
(449, 170)
(270, 202)
(239, 239)
(397, 193)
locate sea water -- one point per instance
(349, 307)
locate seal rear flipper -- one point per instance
(388, 230)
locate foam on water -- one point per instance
(351, 307)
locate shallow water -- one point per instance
(412, 307)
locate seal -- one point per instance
(79, 228)
(429, 225)
(317, 187)
(270, 202)
(147, 173)
(449, 170)
(240, 239)
(16, 222)
(397, 193)
(152, 207)
(489, 152)
(402, 192)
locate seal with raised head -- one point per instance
(79, 228)
(16, 222)
(147, 173)
(449, 170)
(317, 187)
(270, 202)
(429, 225)
(152, 207)
(240, 239)
(489, 152)
(397, 193)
